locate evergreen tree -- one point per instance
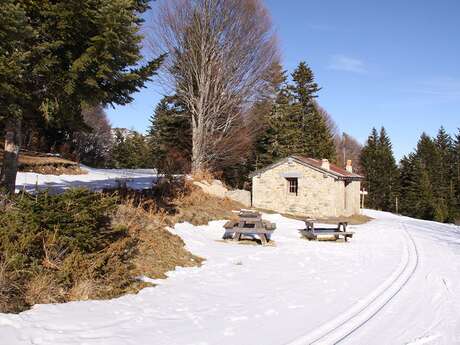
(304, 87)
(319, 141)
(381, 171)
(431, 161)
(130, 151)
(388, 182)
(279, 128)
(445, 188)
(170, 137)
(434, 194)
(456, 169)
(296, 124)
(69, 54)
(369, 164)
(417, 198)
(316, 139)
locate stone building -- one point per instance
(307, 187)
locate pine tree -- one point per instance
(445, 190)
(170, 137)
(304, 87)
(456, 169)
(431, 161)
(319, 141)
(388, 181)
(369, 164)
(130, 151)
(316, 139)
(417, 198)
(279, 127)
(74, 53)
(381, 171)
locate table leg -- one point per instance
(263, 239)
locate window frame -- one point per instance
(293, 185)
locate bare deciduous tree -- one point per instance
(93, 145)
(348, 148)
(219, 55)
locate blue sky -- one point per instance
(379, 63)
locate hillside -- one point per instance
(295, 292)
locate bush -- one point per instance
(50, 243)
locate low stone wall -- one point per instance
(216, 188)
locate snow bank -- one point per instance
(395, 282)
(95, 179)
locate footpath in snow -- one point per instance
(395, 282)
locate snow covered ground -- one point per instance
(95, 179)
(396, 282)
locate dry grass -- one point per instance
(199, 208)
(356, 219)
(158, 250)
(203, 175)
(43, 288)
(83, 290)
(146, 248)
(45, 164)
(54, 170)
(35, 158)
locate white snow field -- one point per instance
(396, 282)
(95, 179)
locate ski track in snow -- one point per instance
(337, 330)
(396, 282)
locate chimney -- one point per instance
(349, 167)
(325, 164)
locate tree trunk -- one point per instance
(197, 149)
(10, 155)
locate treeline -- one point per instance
(425, 185)
(230, 108)
(287, 120)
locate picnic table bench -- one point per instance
(249, 223)
(312, 233)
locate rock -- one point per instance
(217, 188)
(241, 196)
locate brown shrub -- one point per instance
(203, 175)
(42, 288)
(159, 250)
(54, 169)
(140, 245)
(82, 290)
(198, 207)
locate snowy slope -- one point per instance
(95, 179)
(396, 282)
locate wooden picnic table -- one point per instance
(249, 223)
(312, 233)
